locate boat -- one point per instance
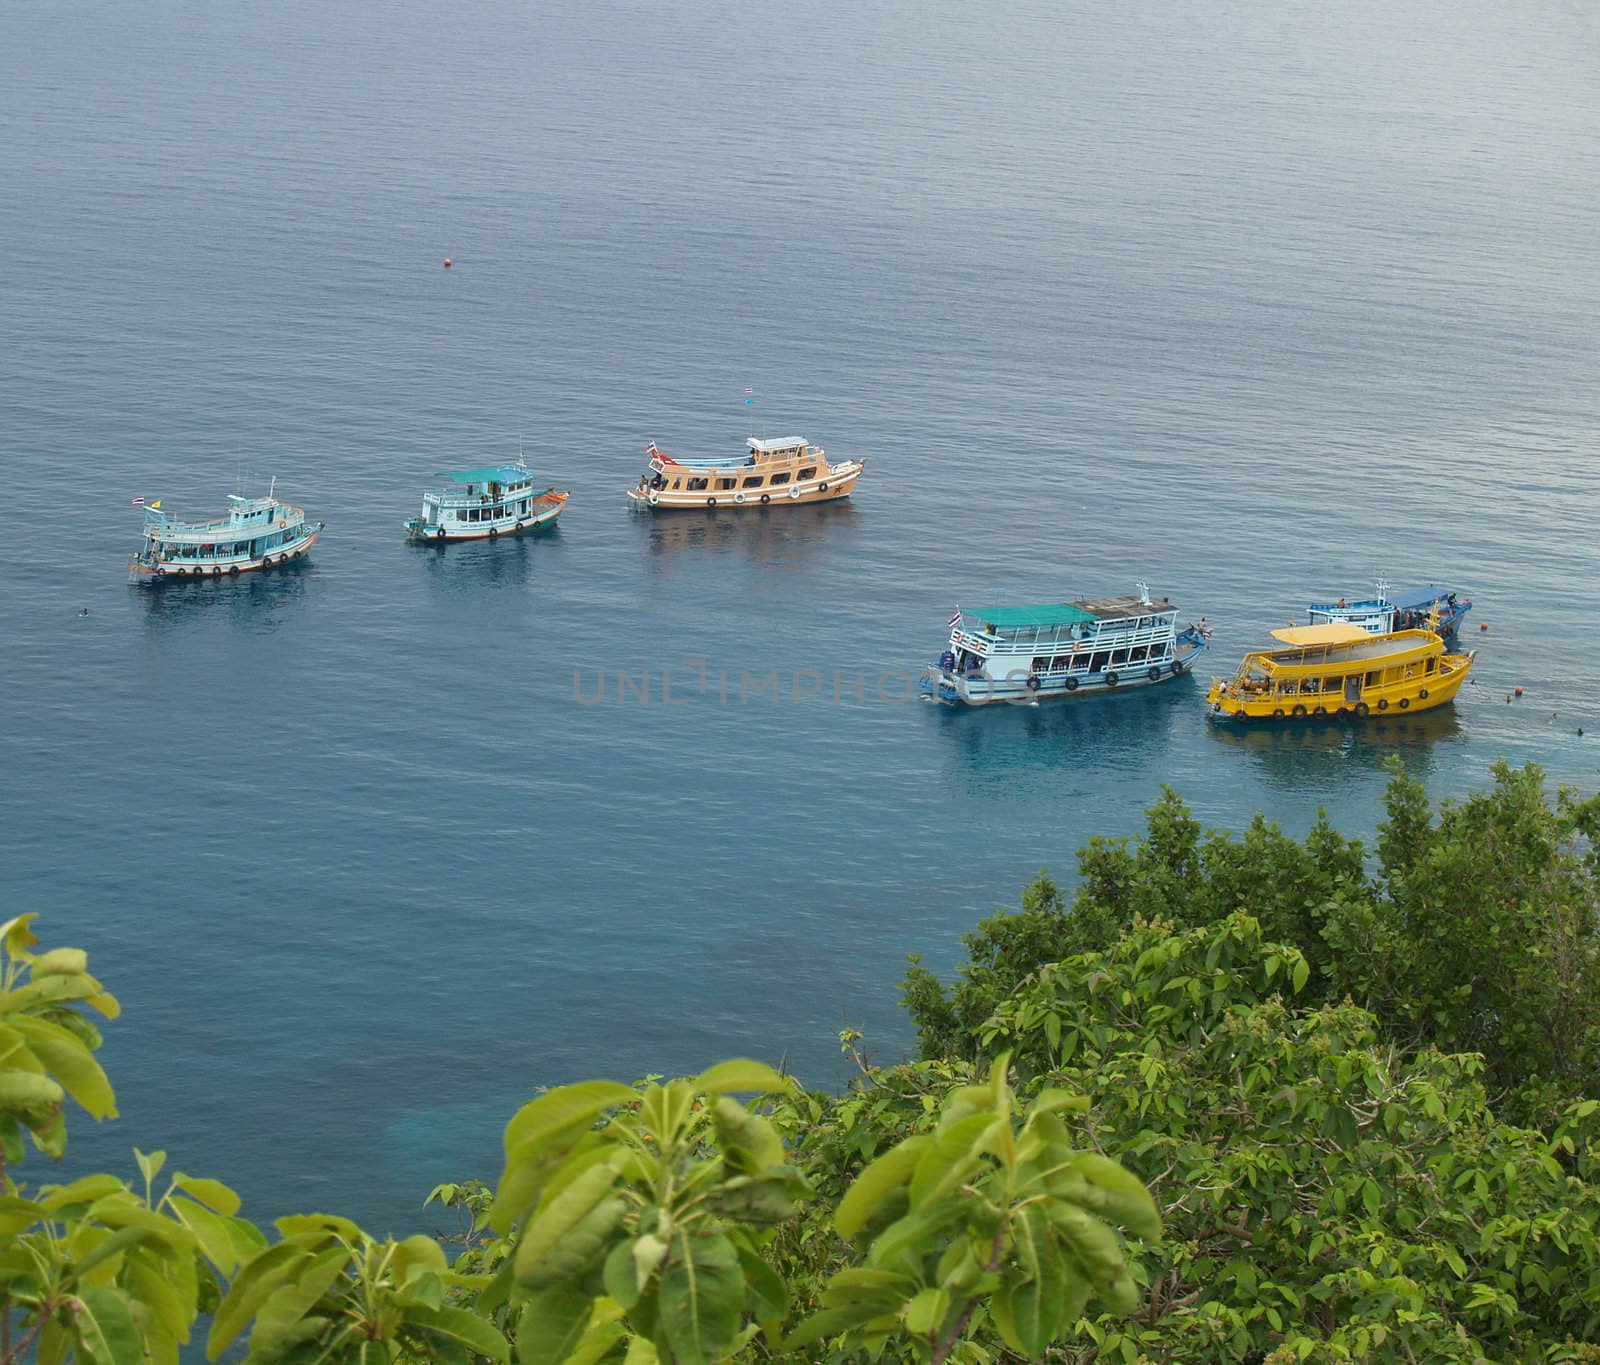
(782, 473)
(257, 533)
(1337, 669)
(1424, 607)
(1026, 654)
(480, 504)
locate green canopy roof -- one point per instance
(1051, 614)
(494, 473)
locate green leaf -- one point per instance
(553, 1323)
(113, 1245)
(416, 1255)
(879, 1180)
(150, 1163)
(212, 1193)
(209, 1230)
(766, 1293)
(954, 1156)
(85, 1190)
(742, 1074)
(249, 1291)
(701, 1298)
(284, 1308)
(1117, 1195)
(1302, 974)
(16, 1215)
(926, 1311)
(105, 1328)
(1038, 1303)
(553, 1114)
(69, 1062)
(457, 1324)
(556, 1219)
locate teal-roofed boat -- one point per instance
(1028, 654)
(257, 533)
(483, 503)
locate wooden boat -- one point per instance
(1025, 654)
(781, 473)
(1424, 607)
(1339, 669)
(496, 500)
(257, 533)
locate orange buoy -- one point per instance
(1483, 625)
(1517, 690)
(447, 263)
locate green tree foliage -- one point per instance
(632, 1224)
(1474, 930)
(1326, 1194)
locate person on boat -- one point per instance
(1341, 602)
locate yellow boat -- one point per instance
(1338, 669)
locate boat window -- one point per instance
(1372, 679)
(677, 483)
(779, 478)
(1330, 684)
(726, 483)
(754, 481)
(696, 484)
(808, 473)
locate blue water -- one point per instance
(1255, 301)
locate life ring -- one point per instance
(1423, 695)
(282, 522)
(711, 502)
(1033, 682)
(1404, 702)
(1383, 703)
(439, 535)
(493, 532)
(766, 498)
(1362, 708)
(1071, 683)
(1111, 679)
(822, 488)
(233, 569)
(1299, 709)
(1319, 712)
(1155, 674)
(655, 496)
(1278, 713)
(1177, 667)
(738, 497)
(794, 490)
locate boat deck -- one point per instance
(1115, 608)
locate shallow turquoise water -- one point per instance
(1255, 305)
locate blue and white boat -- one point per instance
(1027, 654)
(257, 533)
(1424, 607)
(480, 504)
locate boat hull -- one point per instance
(796, 495)
(419, 534)
(1012, 687)
(161, 573)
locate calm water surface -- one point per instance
(1252, 301)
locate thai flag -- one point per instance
(749, 397)
(956, 619)
(138, 502)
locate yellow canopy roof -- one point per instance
(1333, 633)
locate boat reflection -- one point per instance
(468, 565)
(1291, 754)
(254, 601)
(762, 535)
(1017, 746)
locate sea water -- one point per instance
(1252, 301)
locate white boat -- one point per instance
(1424, 607)
(480, 504)
(257, 533)
(1024, 654)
